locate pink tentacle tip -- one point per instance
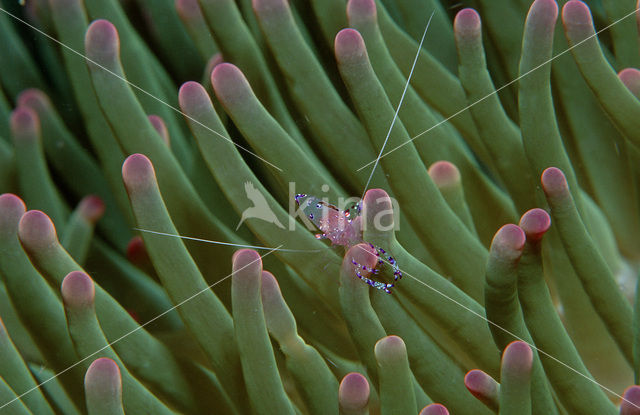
(480, 384)
(509, 237)
(11, 206)
(630, 77)
(228, 81)
(576, 12)
(270, 286)
(136, 251)
(78, 289)
(393, 345)
(243, 254)
(159, 125)
(188, 9)
(137, 170)
(542, 16)
(444, 174)
(467, 22)
(103, 374)
(554, 183)
(34, 98)
(373, 196)
(36, 230)
(535, 223)
(91, 208)
(376, 200)
(224, 71)
(377, 204)
(630, 404)
(214, 61)
(518, 355)
(105, 365)
(192, 96)
(629, 74)
(434, 409)
(354, 391)
(261, 7)
(363, 255)
(348, 44)
(245, 260)
(546, 5)
(101, 39)
(361, 9)
(24, 122)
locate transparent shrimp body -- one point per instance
(343, 227)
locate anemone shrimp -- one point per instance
(342, 227)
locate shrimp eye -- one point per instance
(310, 215)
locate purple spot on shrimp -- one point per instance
(298, 197)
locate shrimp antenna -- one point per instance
(191, 238)
(395, 116)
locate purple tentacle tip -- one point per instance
(136, 251)
(78, 290)
(270, 288)
(192, 96)
(36, 230)
(354, 392)
(361, 255)
(444, 174)
(159, 125)
(467, 23)
(213, 61)
(434, 409)
(630, 404)
(11, 210)
(229, 83)
(264, 8)
(482, 386)
(348, 44)
(545, 10)
(630, 77)
(361, 10)
(103, 378)
(137, 171)
(554, 182)
(101, 41)
(518, 356)
(24, 123)
(91, 208)
(576, 13)
(391, 347)
(246, 264)
(34, 99)
(188, 9)
(535, 223)
(509, 241)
